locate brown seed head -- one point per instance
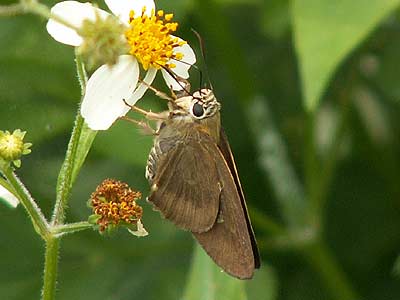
(114, 203)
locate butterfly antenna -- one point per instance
(193, 66)
(203, 55)
(176, 77)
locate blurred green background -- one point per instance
(311, 105)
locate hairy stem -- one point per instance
(70, 228)
(39, 221)
(50, 268)
(72, 163)
(64, 182)
(11, 10)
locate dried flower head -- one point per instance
(114, 204)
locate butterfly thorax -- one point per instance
(190, 117)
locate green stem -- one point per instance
(11, 10)
(73, 161)
(50, 268)
(64, 182)
(39, 221)
(322, 261)
(70, 228)
(81, 72)
(4, 183)
(69, 168)
(42, 10)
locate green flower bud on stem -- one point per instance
(12, 146)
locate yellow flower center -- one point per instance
(150, 39)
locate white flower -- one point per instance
(110, 85)
(8, 197)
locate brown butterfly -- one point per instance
(195, 184)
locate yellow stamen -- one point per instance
(168, 17)
(150, 40)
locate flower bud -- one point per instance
(12, 146)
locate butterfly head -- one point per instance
(200, 105)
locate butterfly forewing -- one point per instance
(188, 196)
(228, 242)
(228, 156)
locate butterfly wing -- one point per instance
(195, 188)
(230, 242)
(227, 153)
(184, 188)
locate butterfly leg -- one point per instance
(158, 93)
(147, 129)
(149, 115)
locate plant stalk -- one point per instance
(11, 10)
(38, 220)
(69, 169)
(50, 268)
(60, 230)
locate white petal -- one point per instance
(74, 13)
(105, 91)
(8, 197)
(141, 89)
(122, 8)
(182, 66)
(141, 231)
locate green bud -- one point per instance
(12, 146)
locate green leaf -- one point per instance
(208, 282)
(325, 32)
(85, 142)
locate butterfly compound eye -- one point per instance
(198, 110)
